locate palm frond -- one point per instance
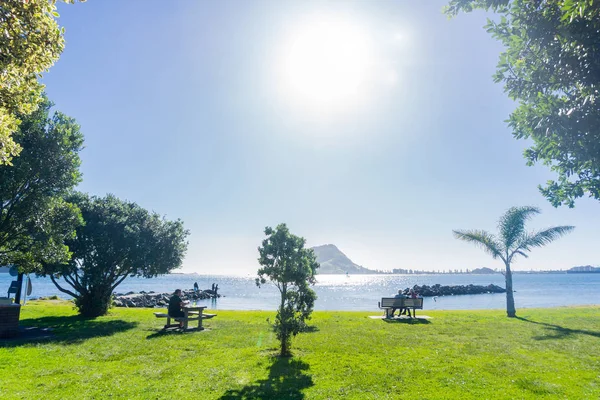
(512, 224)
(541, 238)
(521, 253)
(483, 239)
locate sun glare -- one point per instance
(326, 62)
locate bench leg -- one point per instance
(185, 323)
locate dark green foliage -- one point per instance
(119, 239)
(512, 240)
(551, 67)
(292, 268)
(34, 219)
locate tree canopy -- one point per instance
(34, 219)
(551, 67)
(30, 43)
(291, 268)
(512, 240)
(118, 239)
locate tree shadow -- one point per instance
(286, 380)
(310, 329)
(173, 331)
(557, 331)
(66, 330)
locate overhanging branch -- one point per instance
(118, 282)
(61, 289)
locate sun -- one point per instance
(326, 61)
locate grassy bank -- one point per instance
(547, 353)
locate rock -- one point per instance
(153, 300)
(438, 290)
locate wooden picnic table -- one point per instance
(192, 310)
(190, 313)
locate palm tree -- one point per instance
(512, 240)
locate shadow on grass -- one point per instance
(68, 330)
(310, 329)
(173, 331)
(410, 321)
(557, 331)
(162, 333)
(286, 380)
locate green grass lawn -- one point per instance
(545, 354)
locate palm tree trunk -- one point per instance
(510, 300)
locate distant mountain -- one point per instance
(483, 270)
(333, 261)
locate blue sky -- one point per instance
(203, 111)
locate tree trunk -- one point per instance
(283, 333)
(510, 300)
(94, 302)
(284, 341)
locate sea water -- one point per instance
(362, 292)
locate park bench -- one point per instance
(389, 303)
(192, 316)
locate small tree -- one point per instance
(291, 267)
(119, 239)
(512, 240)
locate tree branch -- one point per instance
(118, 282)
(74, 284)
(61, 289)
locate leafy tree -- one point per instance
(30, 43)
(551, 67)
(119, 239)
(511, 241)
(34, 219)
(291, 267)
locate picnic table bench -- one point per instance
(192, 313)
(390, 303)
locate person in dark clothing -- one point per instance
(196, 288)
(411, 295)
(175, 304)
(400, 295)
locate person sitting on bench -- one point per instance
(411, 295)
(175, 304)
(400, 295)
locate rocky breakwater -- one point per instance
(158, 300)
(439, 290)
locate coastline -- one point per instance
(362, 292)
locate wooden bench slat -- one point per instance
(391, 303)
